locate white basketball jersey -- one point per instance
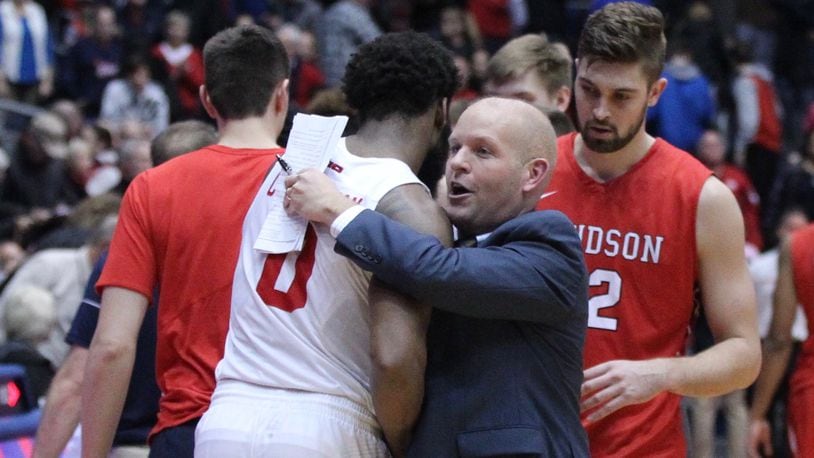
(315, 337)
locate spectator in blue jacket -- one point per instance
(687, 106)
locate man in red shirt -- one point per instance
(180, 227)
(654, 225)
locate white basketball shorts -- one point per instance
(247, 420)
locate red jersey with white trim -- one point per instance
(314, 336)
(179, 227)
(638, 234)
(802, 265)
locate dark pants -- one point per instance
(761, 166)
(175, 442)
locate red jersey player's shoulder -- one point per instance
(565, 152)
(178, 164)
(677, 160)
(665, 149)
(663, 152)
(209, 160)
(565, 142)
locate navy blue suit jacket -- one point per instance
(505, 340)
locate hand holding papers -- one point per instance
(310, 144)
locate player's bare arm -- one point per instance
(399, 325)
(728, 297)
(776, 352)
(729, 303)
(110, 363)
(61, 412)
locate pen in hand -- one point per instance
(284, 165)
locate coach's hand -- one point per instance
(314, 196)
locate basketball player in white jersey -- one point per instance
(297, 378)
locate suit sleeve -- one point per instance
(531, 270)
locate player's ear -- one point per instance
(281, 97)
(562, 98)
(655, 91)
(207, 102)
(441, 113)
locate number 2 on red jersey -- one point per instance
(613, 280)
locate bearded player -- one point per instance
(655, 224)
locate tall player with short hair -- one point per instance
(654, 224)
(179, 227)
(297, 378)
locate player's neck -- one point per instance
(397, 139)
(605, 167)
(251, 132)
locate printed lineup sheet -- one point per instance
(310, 145)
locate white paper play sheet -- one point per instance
(310, 145)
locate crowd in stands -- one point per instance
(86, 85)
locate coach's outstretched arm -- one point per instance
(538, 276)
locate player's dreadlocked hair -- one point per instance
(403, 73)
